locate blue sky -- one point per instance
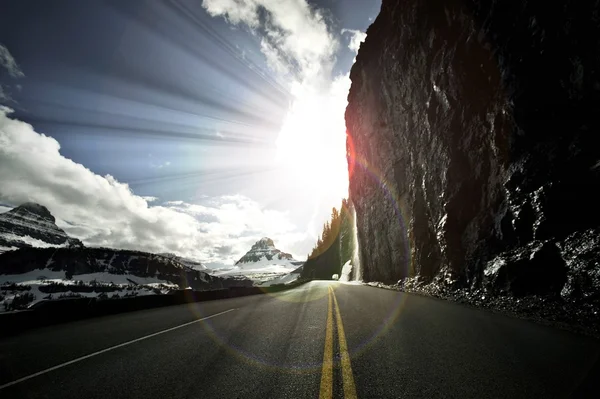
(207, 123)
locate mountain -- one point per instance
(262, 263)
(29, 275)
(264, 251)
(32, 225)
(42, 262)
(190, 263)
(104, 264)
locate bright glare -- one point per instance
(312, 141)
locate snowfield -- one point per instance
(251, 269)
(285, 279)
(263, 272)
(30, 241)
(28, 287)
(4, 249)
(45, 275)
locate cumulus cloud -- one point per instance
(102, 211)
(356, 38)
(294, 36)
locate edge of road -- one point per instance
(67, 310)
(505, 308)
(99, 352)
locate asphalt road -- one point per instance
(322, 339)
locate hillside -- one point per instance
(42, 262)
(32, 225)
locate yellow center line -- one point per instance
(347, 376)
(326, 391)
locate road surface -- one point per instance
(320, 340)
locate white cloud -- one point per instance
(295, 36)
(8, 62)
(150, 199)
(356, 38)
(235, 11)
(102, 211)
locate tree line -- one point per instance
(340, 224)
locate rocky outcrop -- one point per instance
(264, 250)
(473, 145)
(32, 224)
(189, 263)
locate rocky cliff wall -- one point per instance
(473, 144)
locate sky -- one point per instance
(193, 127)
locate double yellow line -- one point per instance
(326, 391)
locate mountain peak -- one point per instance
(264, 242)
(36, 209)
(32, 224)
(264, 249)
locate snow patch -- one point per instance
(124, 285)
(287, 279)
(33, 242)
(6, 249)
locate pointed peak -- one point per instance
(264, 249)
(32, 207)
(264, 243)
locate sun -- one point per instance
(312, 142)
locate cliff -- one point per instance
(473, 145)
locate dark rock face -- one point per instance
(35, 221)
(189, 263)
(264, 249)
(76, 261)
(473, 144)
(582, 252)
(536, 268)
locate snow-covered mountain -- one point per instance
(32, 225)
(262, 263)
(264, 251)
(32, 274)
(191, 263)
(38, 260)
(105, 264)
